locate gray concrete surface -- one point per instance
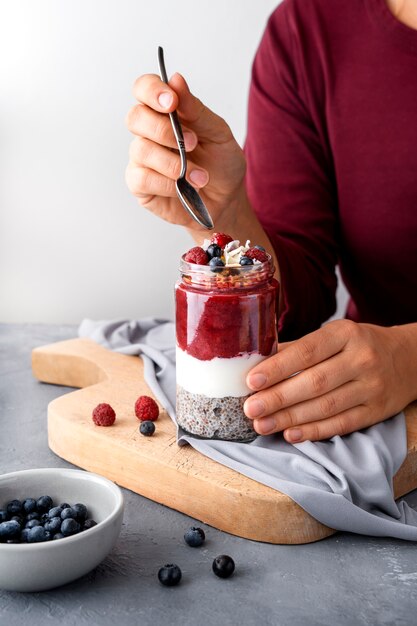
(346, 579)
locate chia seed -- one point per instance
(214, 418)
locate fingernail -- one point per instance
(256, 381)
(165, 99)
(295, 434)
(199, 177)
(254, 408)
(265, 425)
(189, 140)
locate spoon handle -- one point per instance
(176, 126)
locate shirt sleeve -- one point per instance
(290, 180)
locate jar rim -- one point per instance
(229, 276)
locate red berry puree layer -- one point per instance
(225, 325)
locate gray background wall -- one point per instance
(73, 242)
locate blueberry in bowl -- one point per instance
(54, 516)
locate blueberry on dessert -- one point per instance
(216, 264)
(214, 250)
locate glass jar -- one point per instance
(225, 325)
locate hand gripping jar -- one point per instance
(225, 325)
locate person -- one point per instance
(327, 177)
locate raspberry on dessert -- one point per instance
(146, 409)
(104, 415)
(221, 239)
(197, 255)
(256, 253)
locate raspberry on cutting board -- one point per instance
(146, 409)
(104, 415)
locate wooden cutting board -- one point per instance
(156, 467)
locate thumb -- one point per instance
(205, 123)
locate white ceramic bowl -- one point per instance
(40, 566)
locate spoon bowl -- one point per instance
(192, 202)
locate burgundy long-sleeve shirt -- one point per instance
(332, 159)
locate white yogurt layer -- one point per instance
(217, 378)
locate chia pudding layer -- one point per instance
(213, 418)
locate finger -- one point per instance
(310, 383)
(300, 355)
(284, 344)
(207, 124)
(345, 397)
(149, 89)
(146, 153)
(144, 183)
(144, 122)
(344, 423)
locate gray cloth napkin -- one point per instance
(344, 482)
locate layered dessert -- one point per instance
(225, 325)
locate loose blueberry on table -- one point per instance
(223, 566)
(169, 575)
(194, 537)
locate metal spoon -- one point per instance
(188, 196)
